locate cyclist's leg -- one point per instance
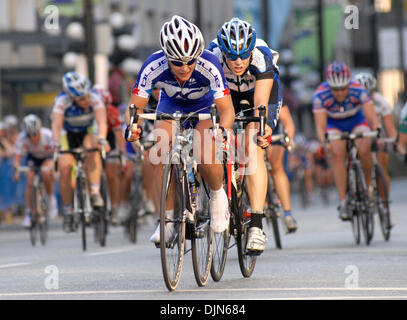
(93, 168)
(48, 180)
(337, 163)
(29, 177)
(383, 159)
(114, 177)
(364, 150)
(275, 155)
(256, 183)
(256, 171)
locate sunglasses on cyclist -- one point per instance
(178, 63)
(234, 57)
(339, 89)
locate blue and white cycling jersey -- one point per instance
(77, 119)
(263, 65)
(207, 83)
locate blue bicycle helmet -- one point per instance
(236, 38)
(76, 85)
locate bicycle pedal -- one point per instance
(254, 253)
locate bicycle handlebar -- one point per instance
(351, 136)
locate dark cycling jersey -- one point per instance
(262, 66)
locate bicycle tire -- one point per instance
(102, 213)
(34, 217)
(81, 206)
(221, 242)
(382, 202)
(132, 228)
(172, 251)
(202, 244)
(363, 209)
(351, 204)
(247, 261)
(43, 217)
(271, 215)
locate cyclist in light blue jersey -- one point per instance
(190, 79)
(75, 111)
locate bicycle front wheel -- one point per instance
(382, 203)
(363, 207)
(202, 243)
(272, 213)
(221, 243)
(247, 261)
(172, 229)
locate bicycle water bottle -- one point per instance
(191, 180)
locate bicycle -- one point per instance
(380, 191)
(357, 198)
(82, 209)
(39, 206)
(239, 205)
(182, 182)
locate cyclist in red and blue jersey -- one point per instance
(190, 79)
(251, 71)
(342, 105)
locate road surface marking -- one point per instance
(198, 290)
(13, 265)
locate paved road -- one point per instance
(320, 261)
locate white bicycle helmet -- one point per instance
(32, 124)
(181, 40)
(76, 85)
(367, 80)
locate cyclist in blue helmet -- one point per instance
(250, 69)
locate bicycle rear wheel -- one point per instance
(172, 249)
(382, 202)
(202, 242)
(247, 261)
(221, 243)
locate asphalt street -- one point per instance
(319, 261)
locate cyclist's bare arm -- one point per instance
(57, 123)
(262, 92)
(370, 115)
(100, 118)
(388, 123)
(226, 111)
(287, 121)
(261, 97)
(320, 118)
